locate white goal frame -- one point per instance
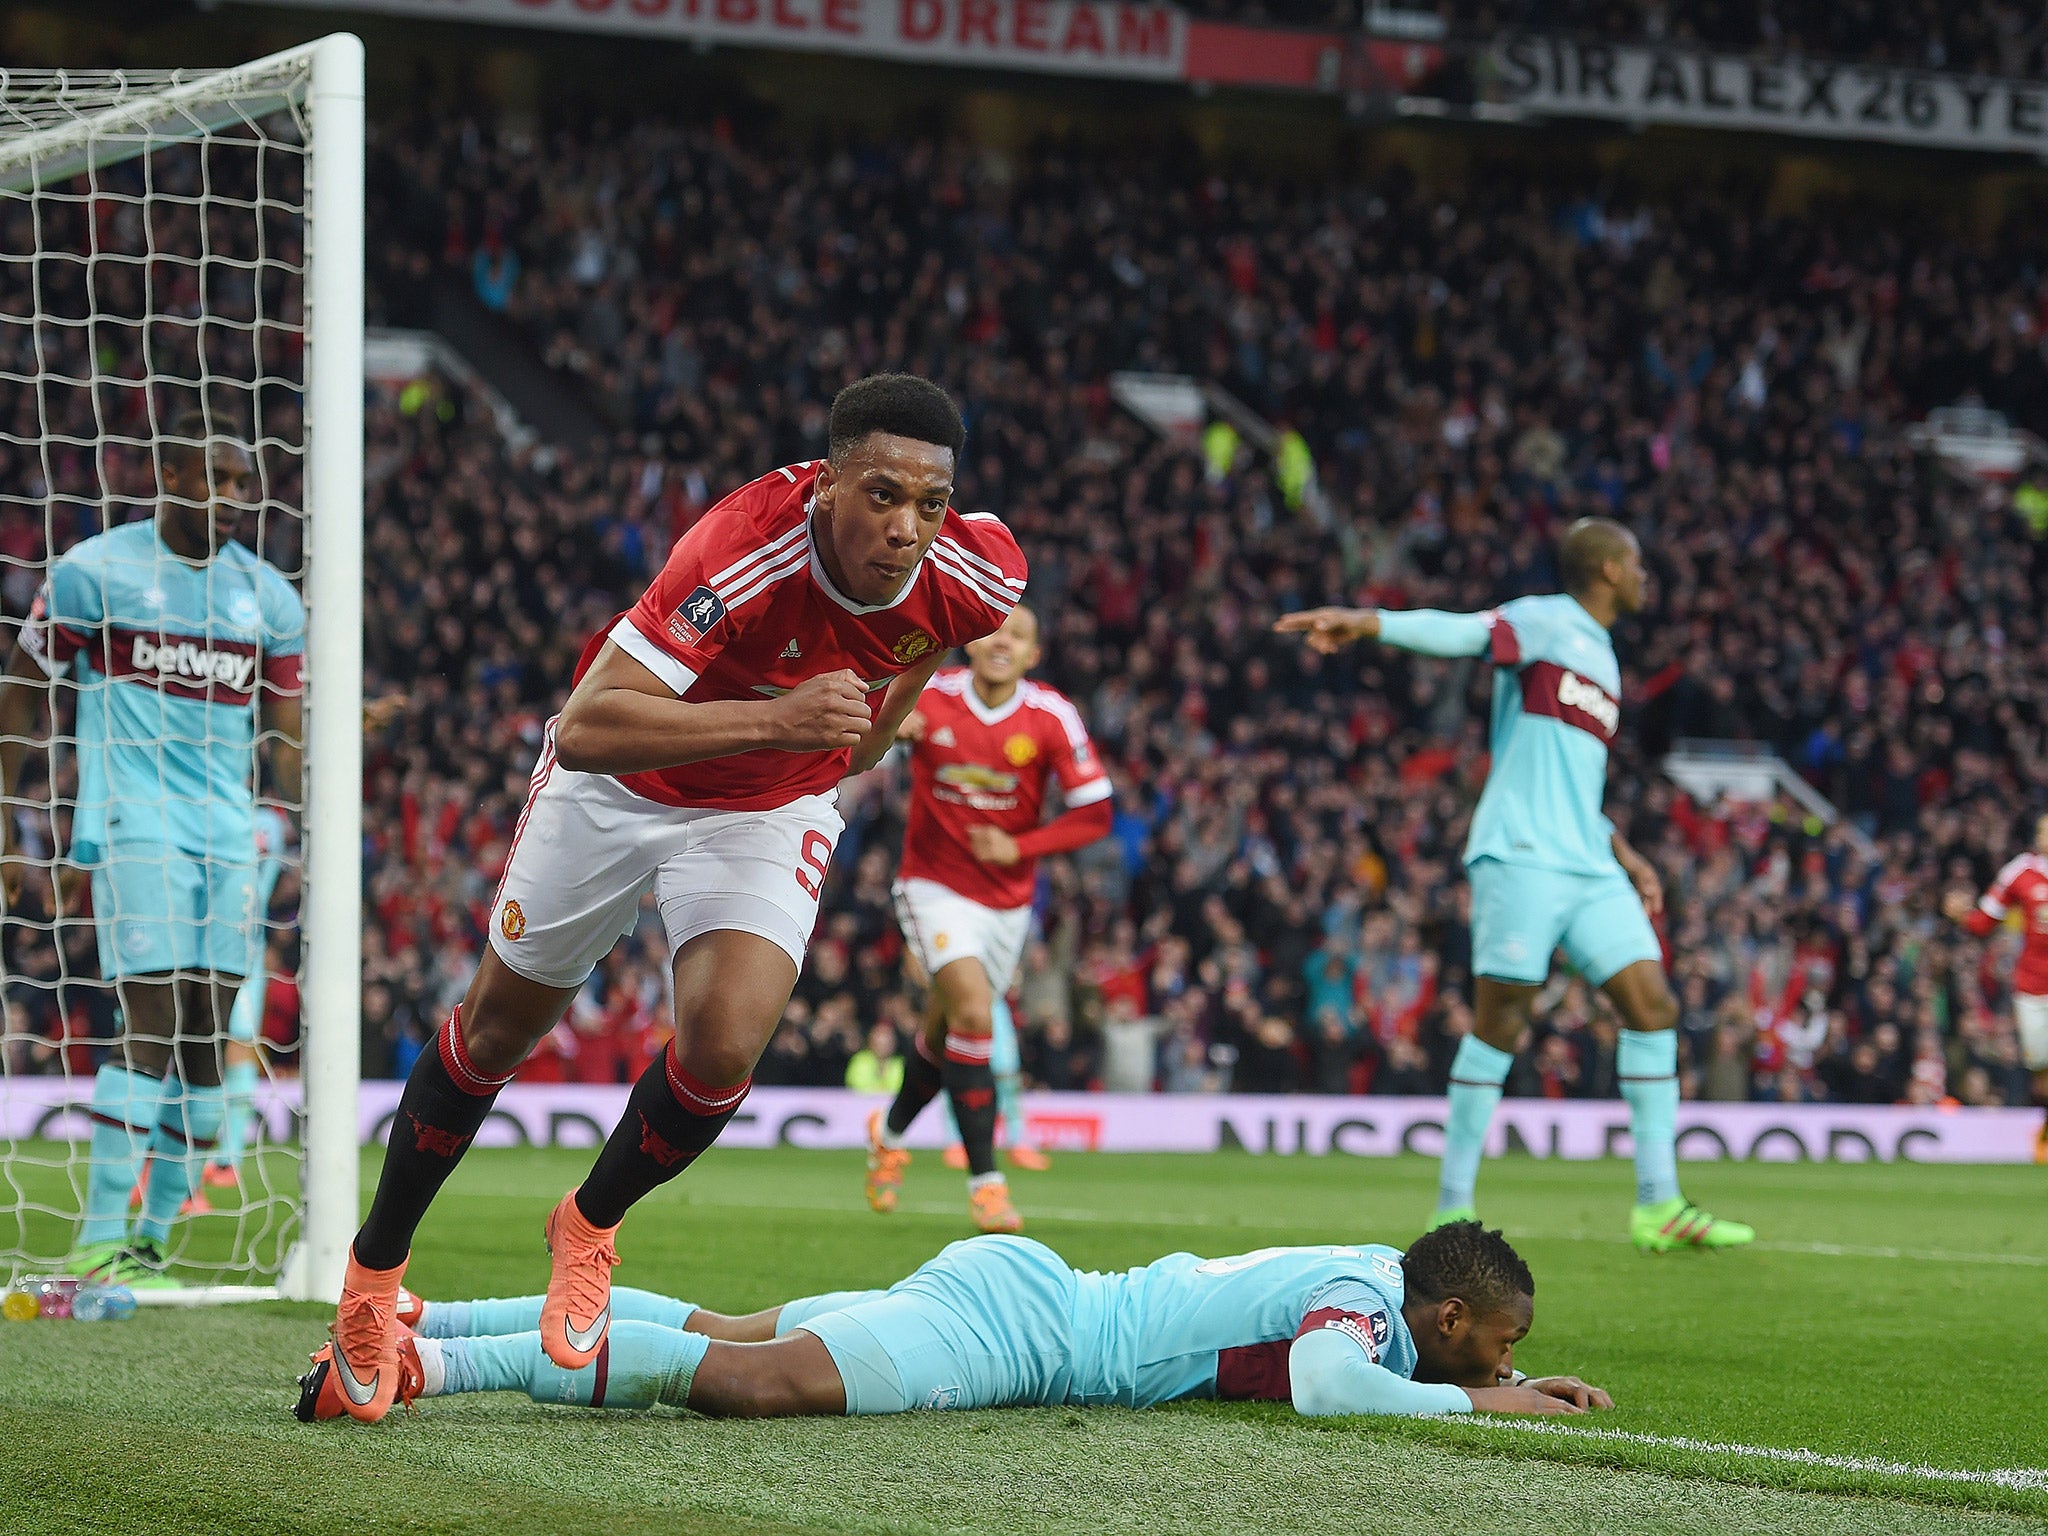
(331, 909)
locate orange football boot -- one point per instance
(885, 1168)
(363, 1359)
(1029, 1158)
(578, 1311)
(322, 1396)
(992, 1209)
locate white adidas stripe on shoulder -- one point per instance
(731, 575)
(789, 471)
(762, 577)
(977, 562)
(1061, 708)
(953, 680)
(997, 597)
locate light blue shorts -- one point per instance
(1004, 1059)
(1520, 915)
(986, 1324)
(158, 909)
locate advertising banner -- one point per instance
(578, 1115)
(1815, 97)
(1076, 37)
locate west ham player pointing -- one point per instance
(987, 746)
(182, 646)
(998, 1322)
(2023, 883)
(1548, 870)
(698, 757)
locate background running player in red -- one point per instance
(2023, 883)
(697, 756)
(987, 745)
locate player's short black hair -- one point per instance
(1588, 545)
(1463, 1259)
(186, 434)
(901, 404)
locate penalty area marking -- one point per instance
(2017, 1479)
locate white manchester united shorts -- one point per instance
(942, 926)
(2031, 1012)
(588, 849)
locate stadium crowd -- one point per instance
(1281, 906)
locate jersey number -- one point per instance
(817, 855)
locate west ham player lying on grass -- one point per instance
(1003, 1322)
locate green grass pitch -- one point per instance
(1890, 1325)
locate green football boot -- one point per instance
(141, 1267)
(1456, 1213)
(1678, 1223)
(94, 1261)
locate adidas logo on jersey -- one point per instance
(790, 652)
(201, 663)
(943, 736)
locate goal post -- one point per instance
(176, 241)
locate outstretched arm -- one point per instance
(1331, 1374)
(1425, 631)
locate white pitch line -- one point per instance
(2019, 1479)
(1826, 1250)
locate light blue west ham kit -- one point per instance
(171, 662)
(1003, 1321)
(1541, 862)
(1540, 855)
(273, 839)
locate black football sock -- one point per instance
(444, 1102)
(670, 1120)
(922, 1080)
(972, 1088)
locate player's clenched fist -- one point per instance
(1330, 629)
(824, 714)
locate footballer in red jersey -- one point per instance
(696, 758)
(2022, 884)
(987, 747)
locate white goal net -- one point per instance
(180, 559)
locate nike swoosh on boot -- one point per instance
(358, 1392)
(583, 1340)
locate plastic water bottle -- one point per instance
(53, 1293)
(103, 1304)
(19, 1307)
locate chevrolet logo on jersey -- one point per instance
(770, 691)
(976, 779)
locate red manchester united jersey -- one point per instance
(990, 767)
(744, 610)
(2023, 883)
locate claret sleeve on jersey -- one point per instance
(284, 636)
(1334, 1364)
(689, 614)
(68, 613)
(1432, 632)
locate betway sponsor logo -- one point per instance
(1574, 692)
(185, 661)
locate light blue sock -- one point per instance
(124, 1106)
(1009, 1110)
(638, 1366)
(187, 1128)
(1648, 1066)
(1477, 1073)
(240, 1082)
(804, 1308)
(521, 1314)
